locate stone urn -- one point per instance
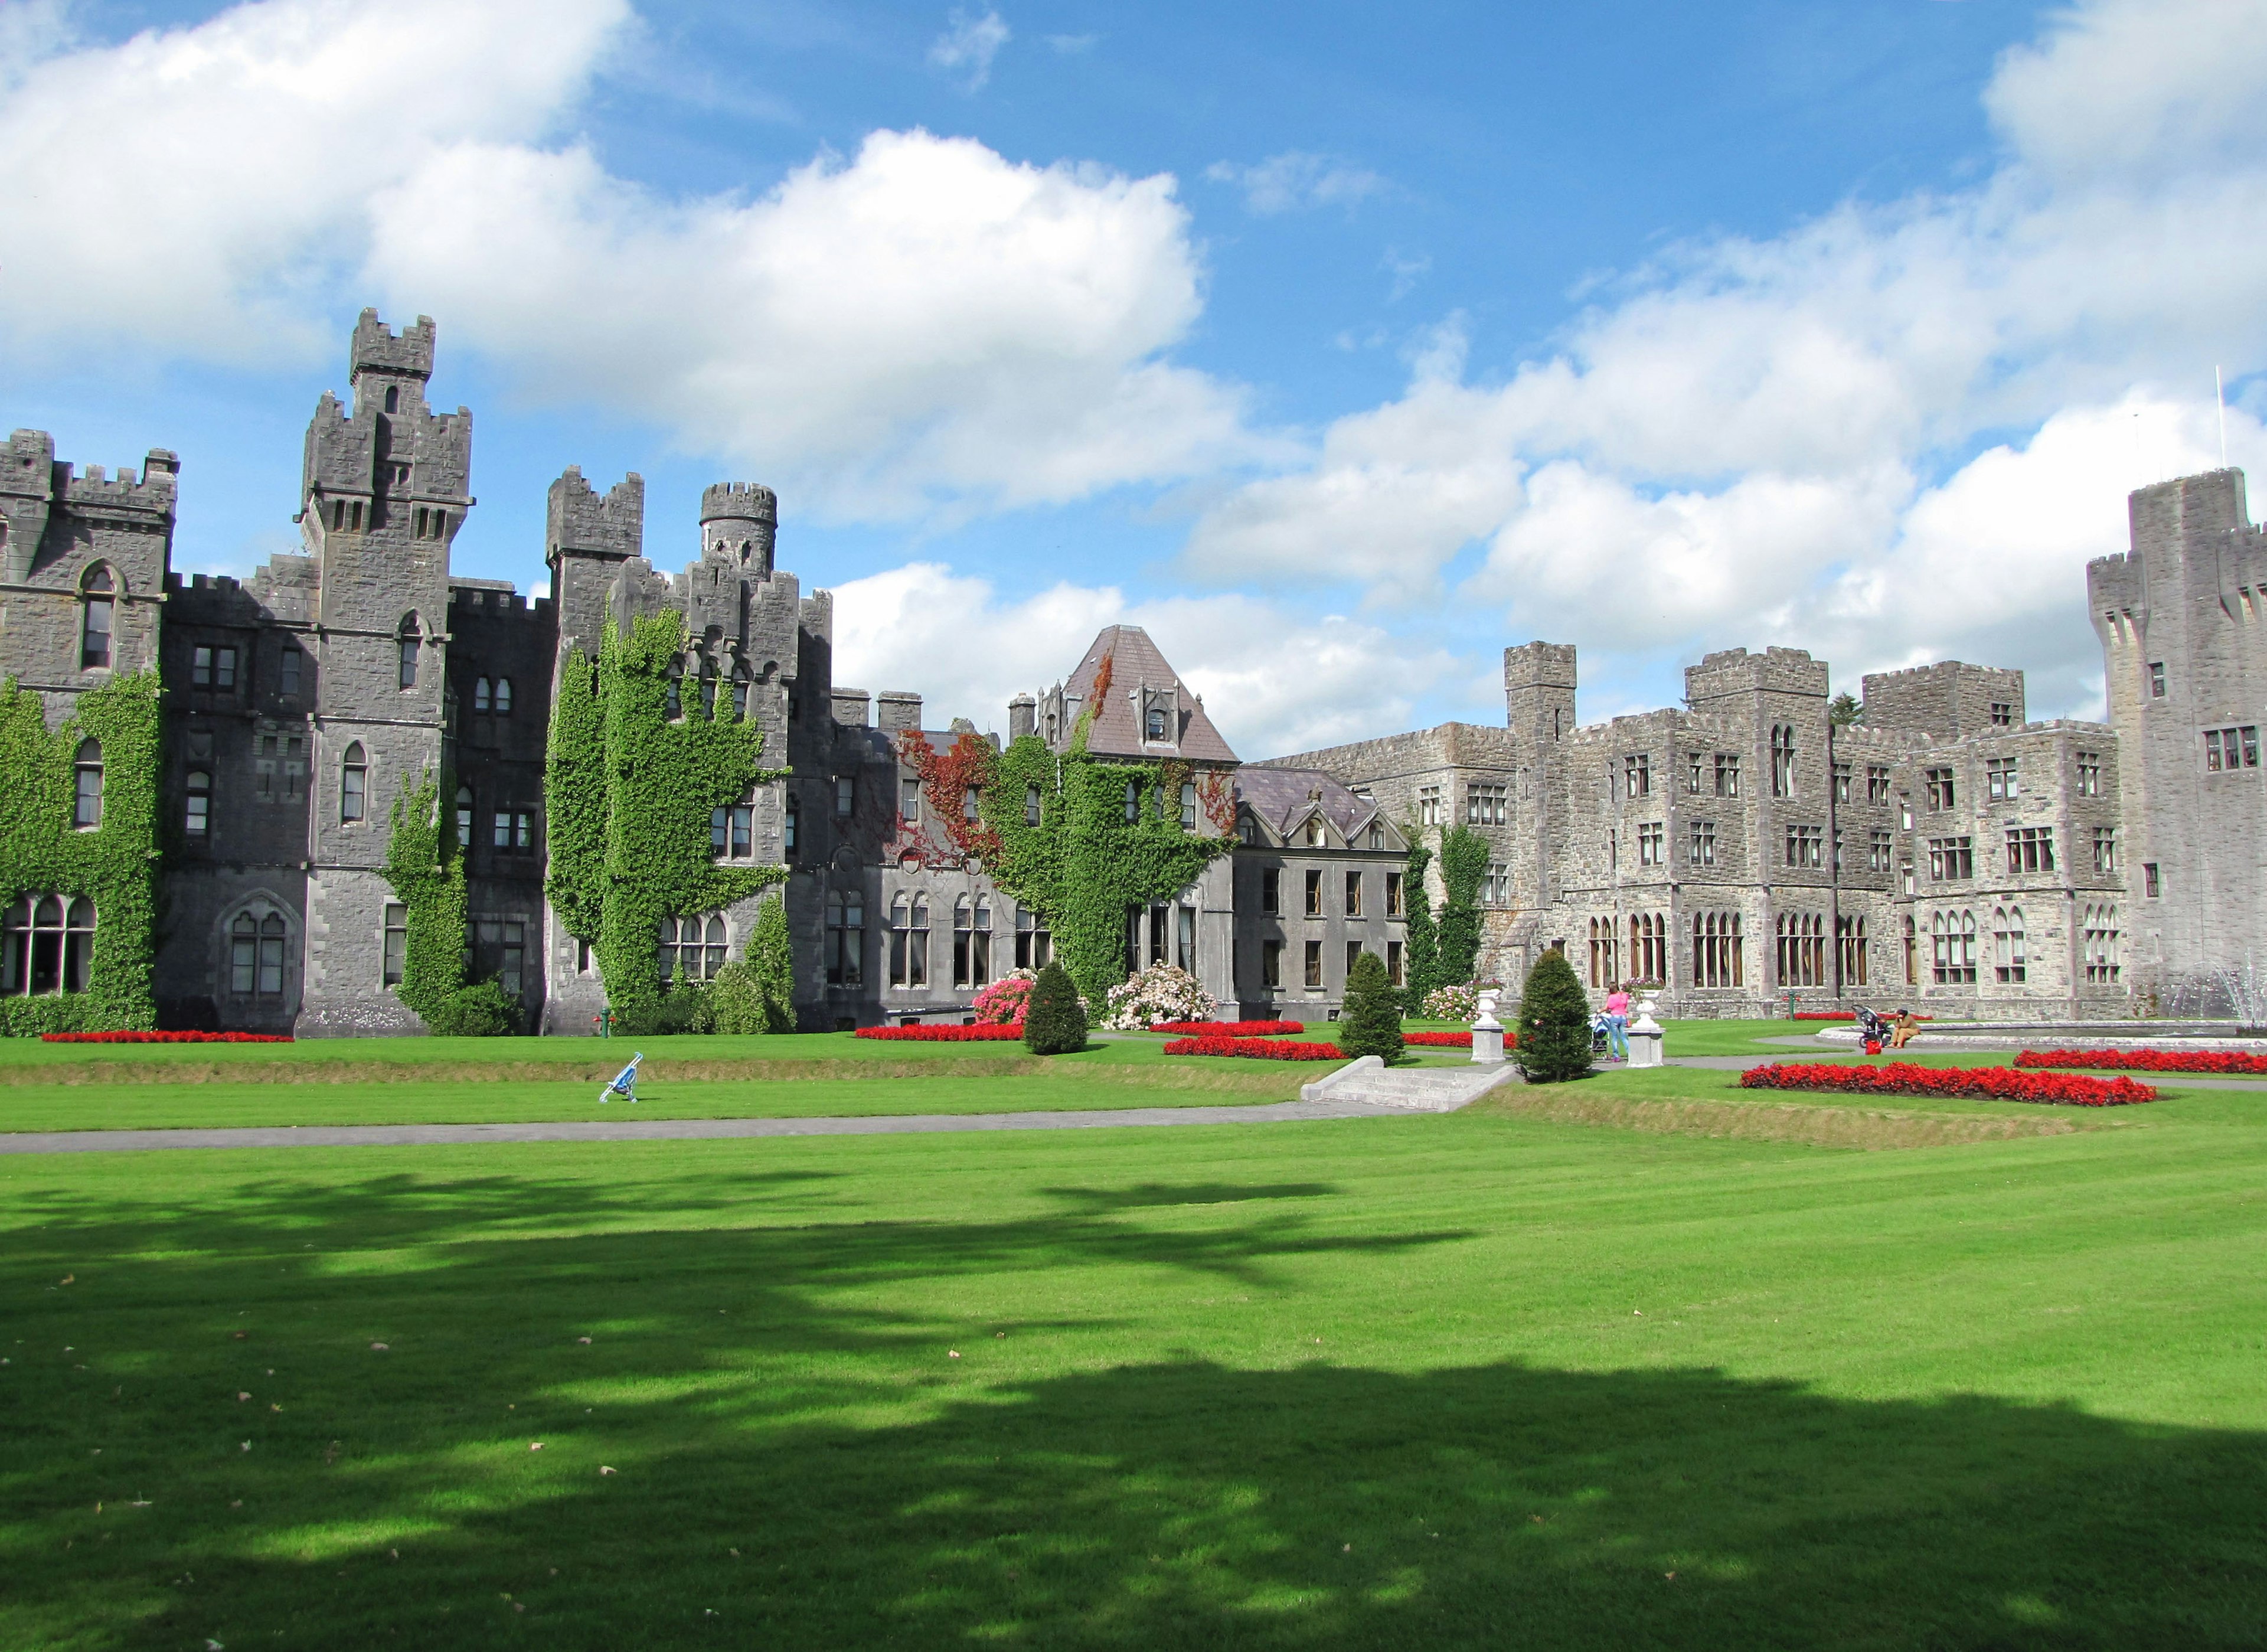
(1644, 1036)
(1488, 1033)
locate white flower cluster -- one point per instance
(1453, 1003)
(1163, 992)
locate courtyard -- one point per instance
(1647, 1360)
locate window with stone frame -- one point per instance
(1801, 949)
(1850, 942)
(1353, 895)
(86, 786)
(396, 943)
(695, 944)
(1700, 847)
(409, 641)
(1842, 773)
(1495, 885)
(1952, 948)
(2105, 851)
(1035, 940)
(1718, 950)
(255, 955)
(1605, 954)
(1806, 845)
(1429, 806)
(2231, 748)
(196, 816)
(1395, 970)
(464, 817)
(2089, 774)
(1271, 889)
(2002, 782)
(2156, 680)
(1637, 775)
(2008, 964)
(1951, 860)
(1693, 767)
(788, 830)
(1938, 788)
(502, 951)
(1396, 903)
(1727, 774)
(2151, 886)
(1648, 948)
(1782, 756)
(1877, 783)
(1314, 894)
(1881, 851)
(908, 940)
(2100, 944)
(286, 675)
(1271, 963)
(1314, 975)
(732, 830)
(46, 945)
(97, 598)
(1486, 805)
(1651, 836)
(844, 958)
(354, 784)
(2030, 849)
(846, 796)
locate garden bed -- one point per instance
(997, 1032)
(1986, 1083)
(1228, 1028)
(131, 1037)
(1262, 1049)
(2231, 1064)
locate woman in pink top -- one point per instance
(1618, 1003)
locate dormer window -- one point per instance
(1313, 831)
(1157, 730)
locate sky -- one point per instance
(1340, 346)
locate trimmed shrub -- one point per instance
(1554, 1023)
(481, 1010)
(736, 1001)
(1055, 1019)
(1370, 1023)
(771, 954)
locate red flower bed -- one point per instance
(2234, 1062)
(164, 1038)
(1266, 1049)
(1228, 1028)
(1451, 1040)
(1840, 1015)
(997, 1032)
(1992, 1084)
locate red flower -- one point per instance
(1266, 1049)
(130, 1036)
(1228, 1028)
(2233, 1062)
(1904, 1078)
(995, 1032)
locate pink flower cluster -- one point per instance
(128, 1037)
(1265, 1049)
(1990, 1083)
(1009, 1032)
(1228, 1028)
(2234, 1062)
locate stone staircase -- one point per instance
(1417, 1088)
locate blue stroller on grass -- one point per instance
(625, 1082)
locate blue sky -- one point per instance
(1340, 347)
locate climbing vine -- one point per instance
(425, 869)
(1108, 837)
(1424, 936)
(114, 864)
(1463, 864)
(630, 789)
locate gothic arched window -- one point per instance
(354, 783)
(407, 634)
(504, 696)
(97, 597)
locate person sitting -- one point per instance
(1903, 1027)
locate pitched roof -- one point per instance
(1134, 665)
(1280, 798)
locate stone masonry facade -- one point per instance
(1740, 850)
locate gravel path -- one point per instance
(634, 1129)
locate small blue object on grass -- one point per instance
(625, 1081)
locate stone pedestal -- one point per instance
(1488, 1034)
(1644, 1036)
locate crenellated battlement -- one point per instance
(378, 347)
(152, 492)
(738, 501)
(578, 520)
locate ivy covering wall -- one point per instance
(629, 790)
(116, 863)
(1424, 936)
(425, 868)
(1463, 864)
(1084, 864)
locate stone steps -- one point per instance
(1417, 1090)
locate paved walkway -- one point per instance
(673, 1129)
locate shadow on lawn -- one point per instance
(894, 1498)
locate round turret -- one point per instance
(739, 521)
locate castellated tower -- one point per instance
(386, 486)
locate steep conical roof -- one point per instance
(1121, 674)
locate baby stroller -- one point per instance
(1599, 1036)
(1873, 1031)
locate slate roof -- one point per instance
(1135, 664)
(1280, 798)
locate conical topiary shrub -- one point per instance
(1554, 1023)
(1054, 1021)
(1370, 1022)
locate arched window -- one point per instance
(1782, 743)
(98, 594)
(196, 818)
(464, 817)
(1912, 953)
(693, 946)
(708, 687)
(1850, 939)
(354, 782)
(971, 805)
(393, 398)
(1313, 831)
(408, 637)
(255, 955)
(2009, 964)
(504, 696)
(740, 693)
(47, 948)
(1718, 959)
(86, 774)
(480, 695)
(673, 704)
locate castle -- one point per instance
(1743, 850)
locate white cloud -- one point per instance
(969, 45)
(1273, 682)
(1295, 179)
(1754, 422)
(923, 328)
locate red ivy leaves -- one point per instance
(1216, 794)
(995, 1033)
(1992, 1084)
(947, 777)
(2231, 1062)
(1266, 1049)
(164, 1038)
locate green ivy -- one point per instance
(115, 863)
(425, 869)
(1084, 865)
(1463, 864)
(1424, 936)
(629, 790)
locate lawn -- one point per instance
(1467, 1380)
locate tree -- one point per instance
(1055, 1020)
(771, 953)
(1844, 709)
(1554, 1023)
(1424, 938)
(1463, 864)
(1370, 1023)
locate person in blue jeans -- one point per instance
(1618, 1003)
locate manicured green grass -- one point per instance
(1459, 1381)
